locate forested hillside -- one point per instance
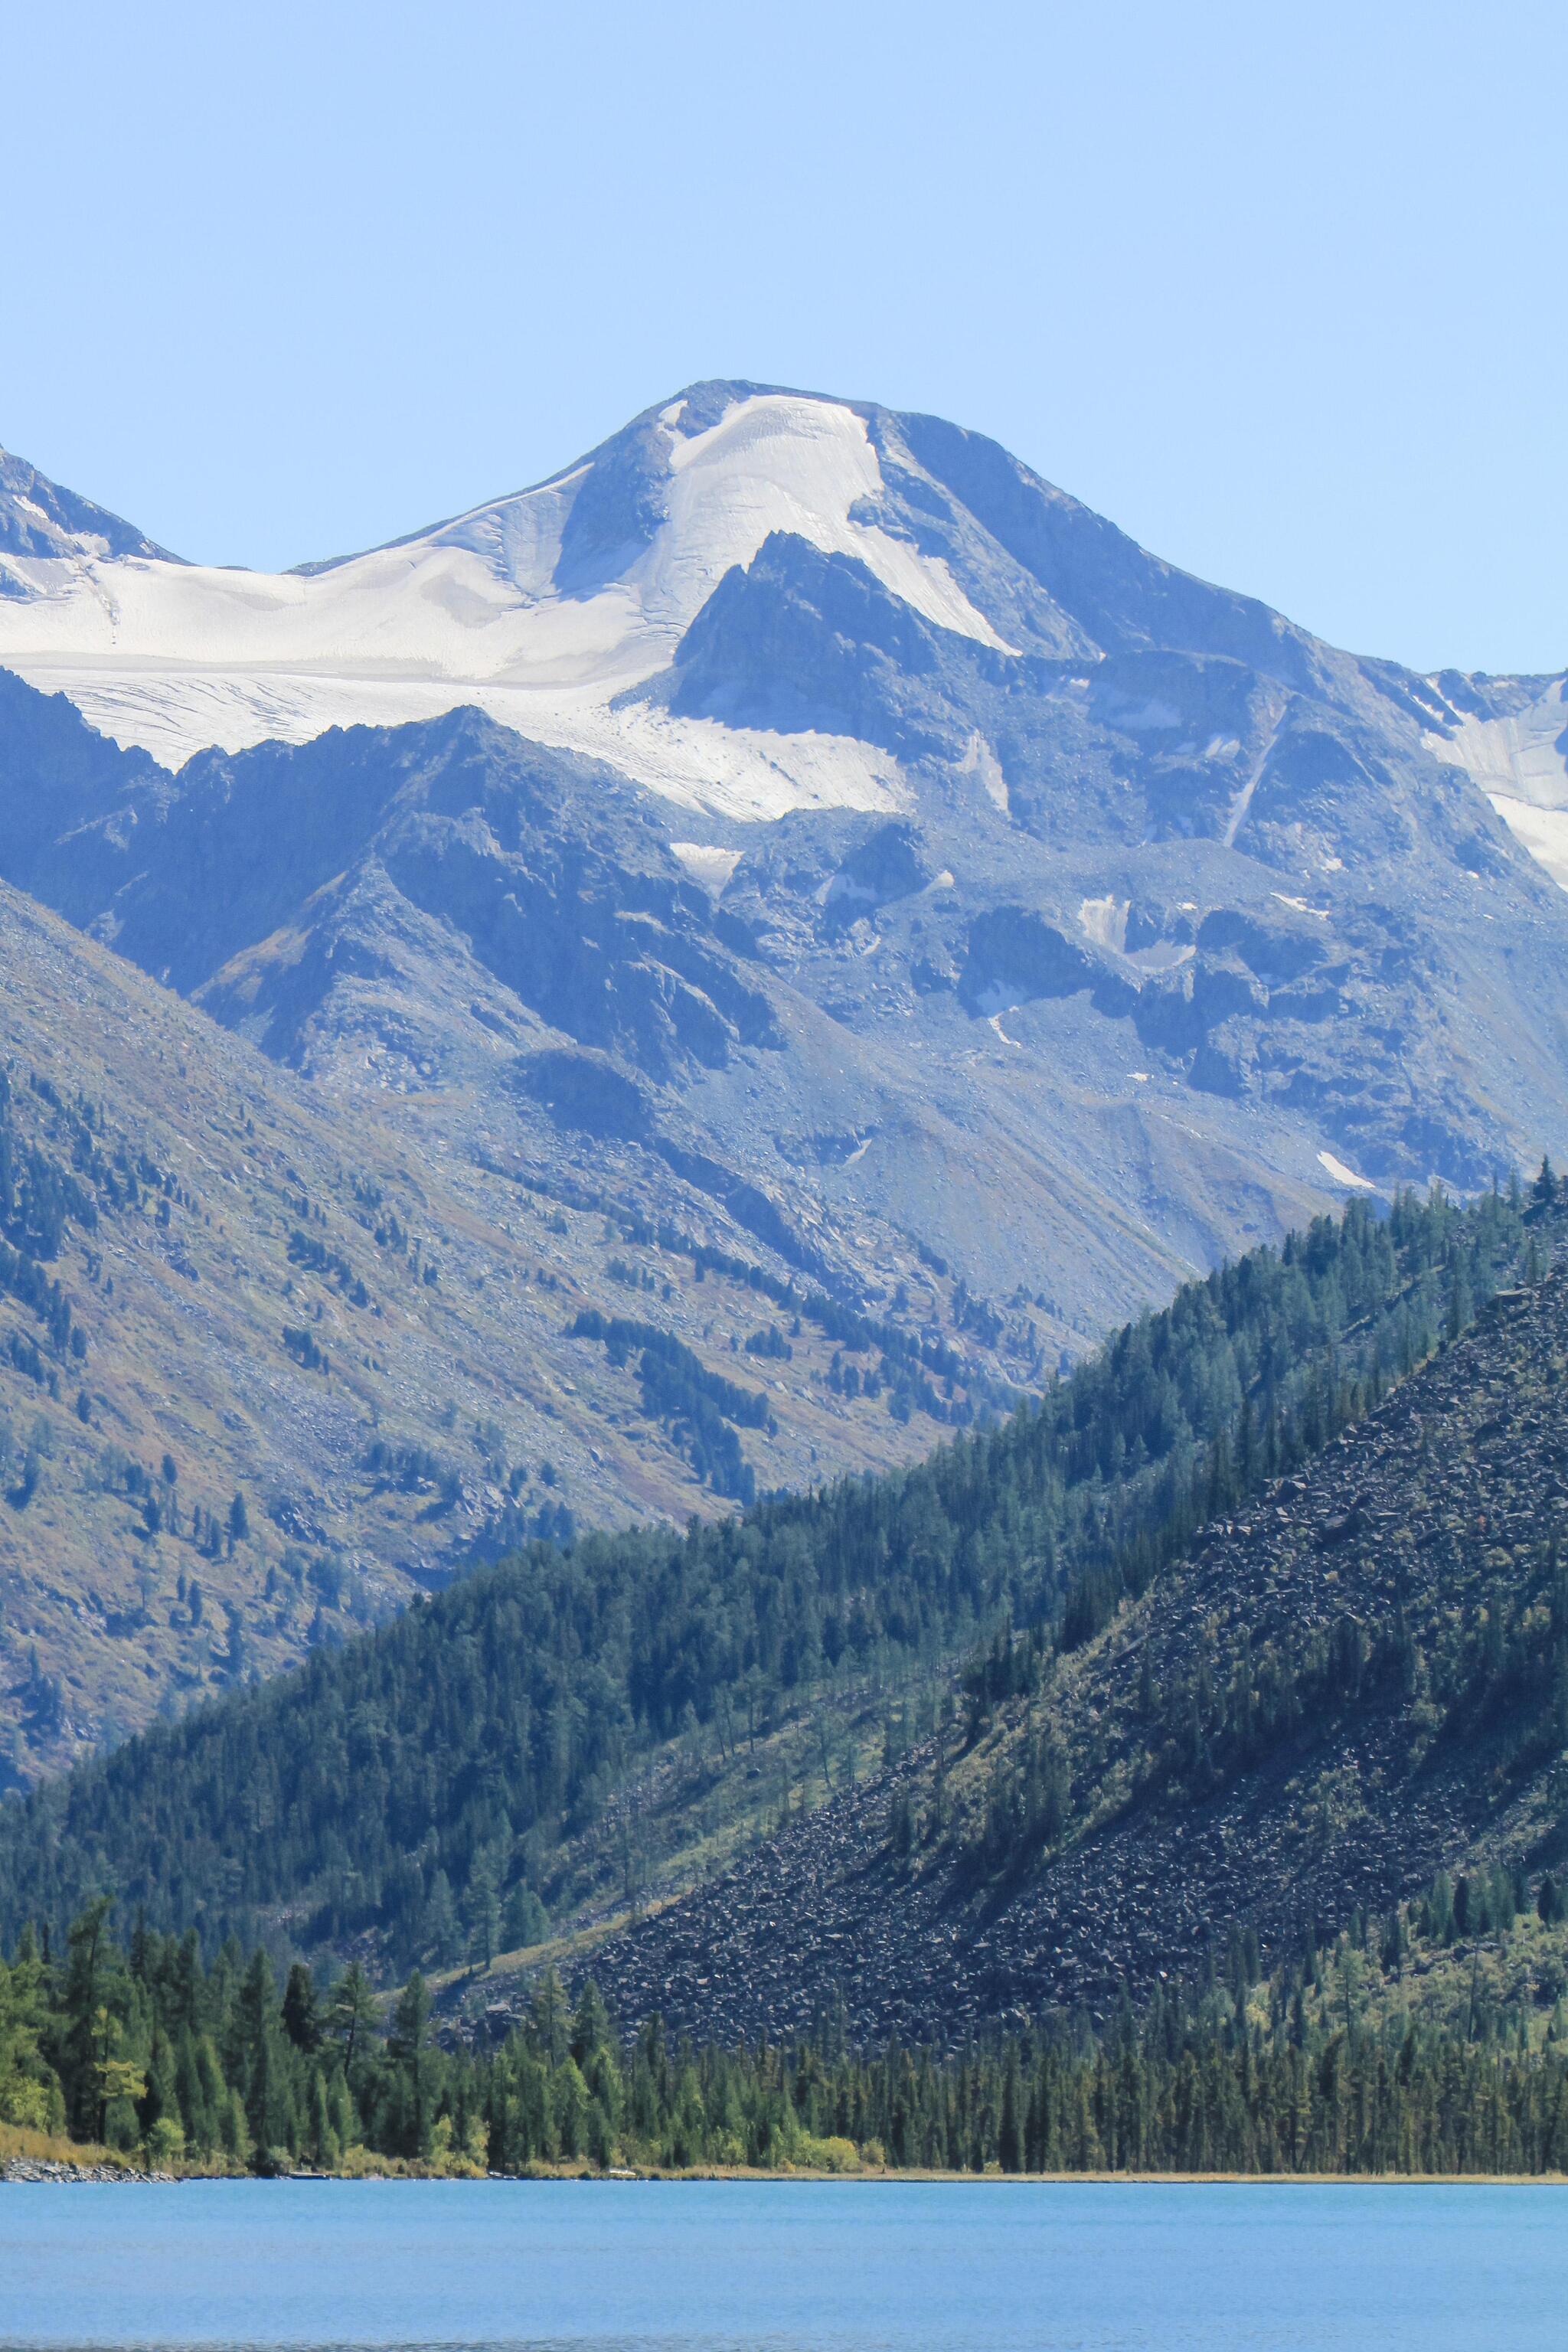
(613, 1719)
(1352, 1681)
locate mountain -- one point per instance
(39, 521)
(925, 822)
(838, 907)
(218, 1280)
(567, 611)
(593, 1730)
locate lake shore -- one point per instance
(107, 2168)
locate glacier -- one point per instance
(174, 658)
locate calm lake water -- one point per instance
(787, 2267)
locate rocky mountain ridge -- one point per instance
(886, 695)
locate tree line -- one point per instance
(179, 2065)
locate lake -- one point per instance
(788, 2266)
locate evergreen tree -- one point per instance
(352, 2015)
(302, 2019)
(265, 2093)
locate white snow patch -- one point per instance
(1543, 832)
(1343, 1175)
(1520, 756)
(1323, 914)
(776, 463)
(1521, 763)
(747, 773)
(980, 760)
(996, 1024)
(1163, 955)
(1104, 921)
(711, 865)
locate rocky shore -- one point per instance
(33, 2168)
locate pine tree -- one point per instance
(352, 2014)
(258, 2037)
(88, 1978)
(408, 2056)
(302, 2019)
(1010, 2134)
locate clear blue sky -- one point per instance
(1279, 287)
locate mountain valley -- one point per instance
(999, 1687)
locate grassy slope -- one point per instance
(184, 1324)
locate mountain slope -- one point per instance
(598, 1727)
(214, 1277)
(41, 522)
(413, 909)
(894, 924)
(1360, 1681)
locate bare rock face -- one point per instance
(40, 520)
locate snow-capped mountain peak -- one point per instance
(703, 602)
(545, 608)
(1105, 902)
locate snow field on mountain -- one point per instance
(174, 658)
(778, 463)
(1521, 763)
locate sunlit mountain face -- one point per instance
(801, 824)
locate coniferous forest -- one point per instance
(1319, 2069)
(435, 1783)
